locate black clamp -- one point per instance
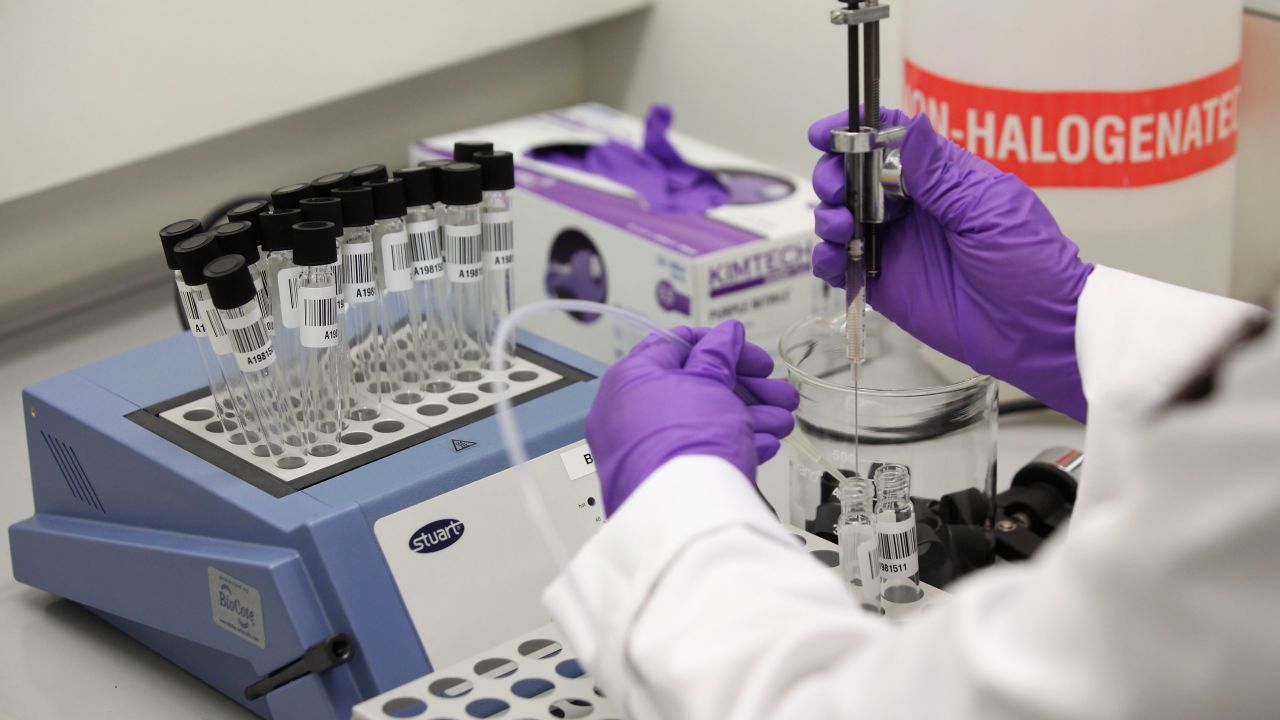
(323, 656)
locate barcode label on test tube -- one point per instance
(897, 547)
(424, 240)
(357, 273)
(499, 241)
(191, 309)
(249, 339)
(287, 281)
(218, 337)
(397, 275)
(463, 259)
(264, 300)
(319, 317)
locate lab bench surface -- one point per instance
(59, 661)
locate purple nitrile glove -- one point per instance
(656, 171)
(977, 268)
(662, 401)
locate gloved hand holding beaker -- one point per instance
(662, 401)
(977, 268)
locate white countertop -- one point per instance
(60, 661)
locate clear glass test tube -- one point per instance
(896, 533)
(498, 176)
(223, 405)
(401, 318)
(856, 532)
(328, 208)
(231, 287)
(192, 255)
(363, 324)
(323, 364)
(422, 220)
(464, 267)
(276, 234)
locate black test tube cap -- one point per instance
(229, 281)
(419, 185)
(497, 170)
(365, 173)
(174, 233)
(326, 208)
(249, 212)
(193, 254)
(313, 243)
(466, 151)
(287, 197)
(388, 198)
(460, 184)
(238, 238)
(276, 229)
(357, 206)
(325, 184)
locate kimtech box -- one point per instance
(585, 236)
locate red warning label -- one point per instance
(1086, 139)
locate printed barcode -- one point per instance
(426, 246)
(399, 257)
(215, 322)
(462, 249)
(319, 312)
(189, 305)
(498, 237)
(898, 546)
(248, 339)
(356, 269)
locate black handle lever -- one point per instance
(324, 655)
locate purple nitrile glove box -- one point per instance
(581, 235)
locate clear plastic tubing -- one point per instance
(171, 235)
(328, 209)
(498, 177)
(422, 220)
(462, 193)
(896, 532)
(322, 362)
(231, 288)
(192, 255)
(275, 232)
(360, 286)
(401, 315)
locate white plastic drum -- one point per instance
(1122, 115)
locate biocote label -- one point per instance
(237, 607)
(1086, 139)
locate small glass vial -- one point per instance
(401, 319)
(422, 220)
(856, 532)
(498, 175)
(360, 286)
(233, 293)
(462, 193)
(323, 365)
(329, 209)
(192, 255)
(896, 532)
(241, 238)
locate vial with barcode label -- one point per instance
(322, 362)
(240, 238)
(401, 316)
(856, 533)
(171, 235)
(422, 220)
(497, 171)
(275, 231)
(462, 192)
(896, 531)
(360, 287)
(231, 287)
(329, 209)
(192, 254)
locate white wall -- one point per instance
(1257, 251)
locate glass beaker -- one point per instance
(915, 407)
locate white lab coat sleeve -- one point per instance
(1160, 604)
(1138, 341)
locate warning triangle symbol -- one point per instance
(460, 445)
